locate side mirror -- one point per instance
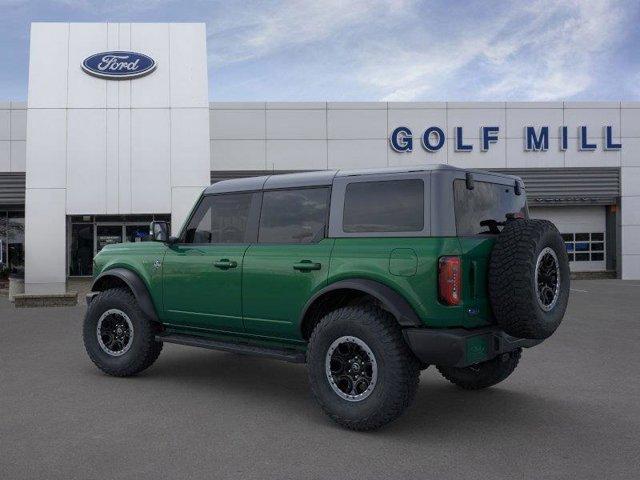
(159, 231)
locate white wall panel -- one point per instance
(5, 124)
(45, 241)
(630, 180)
(296, 154)
(630, 120)
(152, 91)
(182, 200)
(48, 62)
(296, 124)
(111, 161)
(150, 161)
(418, 120)
(630, 211)
(518, 118)
(631, 239)
(188, 56)
(517, 157)
(296, 105)
(113, 43)
(492, 158)
(238, 155)
(47, 148)
(237, 124)
(5, 156)
(630, 153)
(357, 153)
(86, 161)
(592, 118)
(420, 105)
(419, 156)
(18, 124)
(574, 157)
(472, 119)
(86, 91)
(124, 161)
(356, 124)
(18, 156)
(630, 267)
(124, 86)
(190, 165)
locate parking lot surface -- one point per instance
(570, 410)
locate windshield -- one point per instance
(484, 209)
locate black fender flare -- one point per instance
(389, 298)
(135, 284)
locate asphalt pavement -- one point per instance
(571, 410)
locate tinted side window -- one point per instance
(384, 206)
(488, 203)
(294, 216)
(220, 219)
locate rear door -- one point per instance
(289, 262)
(202, 273)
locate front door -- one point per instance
(289, 262)
(202, 272)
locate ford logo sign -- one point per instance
(118, 65)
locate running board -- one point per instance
(292, 356)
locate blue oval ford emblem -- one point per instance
(118, 65)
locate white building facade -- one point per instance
(98, 158)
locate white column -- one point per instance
(630, 200)
(630, 230)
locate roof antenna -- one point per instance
(469, 180)
(517, 189)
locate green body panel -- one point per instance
(138, 257)
(389, 261)
(262, 298)
(475, 253)
(274, 292)
(199, 294)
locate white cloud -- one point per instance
(542, 51)
(262, 28)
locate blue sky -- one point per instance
(361, 50)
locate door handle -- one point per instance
(225, 263)
(306, 265)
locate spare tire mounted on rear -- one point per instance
(529, 278)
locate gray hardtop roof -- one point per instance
(325, 177)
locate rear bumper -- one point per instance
(458, 347)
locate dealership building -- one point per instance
(118, 130)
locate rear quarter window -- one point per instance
(483, 209)
(384, 206)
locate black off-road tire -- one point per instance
(485, 374)
(512, 278)
(144, 349)
(398, 369)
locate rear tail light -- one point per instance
(449, 280)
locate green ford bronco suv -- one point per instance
(368, 276)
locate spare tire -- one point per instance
(529, 278)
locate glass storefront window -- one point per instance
(81, 249)
(107, 235)
(4, 257)
(91, 233)
(15, 241)
(11, 243)
(137, 233)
